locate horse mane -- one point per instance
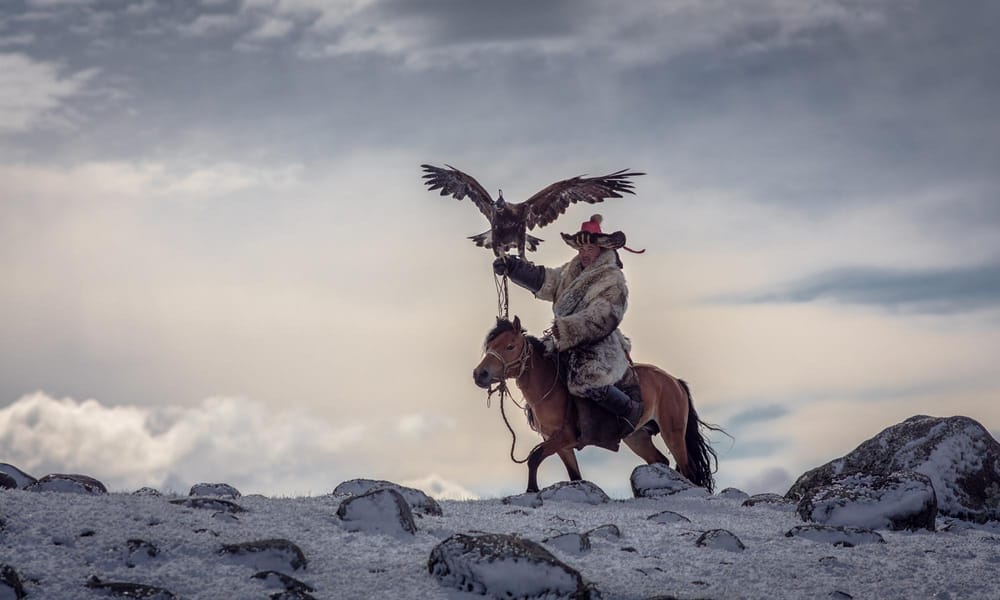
(504, 325)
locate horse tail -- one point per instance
(700, 453)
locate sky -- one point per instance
(220, 263)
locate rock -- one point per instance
(225, 517)
(775, 501)
(658, 480)
(845, 536)
(504, 566)
(570, 543)
(583, 492)
(286, 583)
(380, 511)
(958, 454)
(216, 504)
(138, 552)
(131, 590)
(417, 500)
(68, 484)
(720, 539)
(605, 532)
(7, 482)
(222, 490)
(731, 493)
(147, 491)
(22, 479)
(903, 500)
(530, 499)
(11, 585)
(668, 516)
(268, 555)
(292, 595)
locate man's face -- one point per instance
(588, 254)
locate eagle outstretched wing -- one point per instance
(546, 206)
(458, 185)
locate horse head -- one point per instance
(505, 347)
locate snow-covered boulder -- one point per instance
(216, 504)
(608, 531)
(147, 491)
(11, 585)
(504, 566)
(731, 493)
(958, 454)
(131, 590)
(276, 580)
(20, 477)
(68, 484)
(903, 500)
(583, 492)
(418, 500)
(775, 501)
(845, 536)
(720, 539)
(267, 555)
(529, 499)
(570, 543)
(657, 480)
(222, 490)
(668, 516)
(379, 511)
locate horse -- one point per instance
(509, 352)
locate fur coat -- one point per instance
(588, 305)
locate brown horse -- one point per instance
(510, 352)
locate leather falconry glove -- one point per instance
(523, 273)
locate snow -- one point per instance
(57, 541)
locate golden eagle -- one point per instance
(509, 221)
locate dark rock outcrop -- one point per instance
(268, 555)
(958, 454)
(216, 504)
(22, 479)
(720, 539)
(290, 587)
(7, 482)
(68, 484)
(221, 490)
(903, 500)
(11, 585)
(418, 500)
(668, 516)
(123, 589)
(481, 564)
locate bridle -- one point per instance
(521, 361)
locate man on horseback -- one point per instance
(589, 297)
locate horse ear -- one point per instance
(517, 324)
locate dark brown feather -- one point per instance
(546, 206)
(458, 185)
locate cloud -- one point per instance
(32, 91)
(959, 289)
(212, 24)
(756, 414)
(440, 488)
(235, 440)
(769, 480)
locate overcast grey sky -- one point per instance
(219, 257)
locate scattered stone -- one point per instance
(775, 501)
(486, 564)
(731, 493)
(292, 595)
(139, 552)
(571, 543)
(958, 454)
(225, 517)
(380, 511)
(839, 595)
(606, 532)
(68, 484)
(903, 500)
(583, 492)
(268, 555)
(10, 583)
(131, 590)
(147, 491)
(668, 516)
(720, 539)
(278, 580)
(22, 479)
(845, 536)
(418, 500)
(529, 499)
(222, 490)
(658, 480)
(216, 504)
(7, 482)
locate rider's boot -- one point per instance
(628, 410)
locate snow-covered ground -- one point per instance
(57, 541)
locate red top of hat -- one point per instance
(593, 225)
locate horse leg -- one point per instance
(641, 443)
(673, 437)
(540, 453)
(568, 457)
